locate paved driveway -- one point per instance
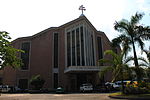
(79, 96)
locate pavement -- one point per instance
(74, 96)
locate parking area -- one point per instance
(74, 96)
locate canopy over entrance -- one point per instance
(73, 69)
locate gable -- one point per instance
(82, 20)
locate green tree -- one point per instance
(118, 65)
(132, 33)
(37, 82)
(8, 54)
(148, 57)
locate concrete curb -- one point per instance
(130, 98)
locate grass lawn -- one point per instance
(119, 94)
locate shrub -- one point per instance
(140, 88)
(37, 82)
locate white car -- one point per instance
(4, 88)
(118, 84)
(86, 87)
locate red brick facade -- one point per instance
(41, 56)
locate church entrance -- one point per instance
(81, 78)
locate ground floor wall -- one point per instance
(69, 81)
(75, 80)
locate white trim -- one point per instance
(88, 51)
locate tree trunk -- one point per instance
(137, 70)
(122, 79)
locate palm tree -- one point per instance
(131, 33)
(117, 65)
(148, 57)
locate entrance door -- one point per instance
(73, 84)
(81, 79)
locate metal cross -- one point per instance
(82, 8)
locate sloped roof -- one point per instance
(81, 18)
(78, 20)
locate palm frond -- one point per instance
(121, 26)
(140, 42)
(128, 59)
(110, 52)
(143, 32)
(148, 54)
(136, 18)
(102, 72)
(143, 60)
(105, 61)
(144, 65)
(120, 39)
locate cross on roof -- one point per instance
(82, 8)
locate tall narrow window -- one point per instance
(68, 50)
(73, 48)
(55, 80)
(78, 46)
(100, 53)
(25, 55)
(82, 46)
(1, 81)
(93, 60)
(55, 50)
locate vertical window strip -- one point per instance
(93, 51)
(25, 56)
(68, 50)
(100, 55)
(85, 46)
(73, 48)
(89, 47)
(78, 46)
(55, 50)
(82, 46)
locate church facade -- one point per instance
(64, 56)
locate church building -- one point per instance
(64, 56)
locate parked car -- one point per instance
(5, 88)
(109, 86)
(60, 90)
(117, 85)
(17, 89)
(86, 87)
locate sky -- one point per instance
(23, 18)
